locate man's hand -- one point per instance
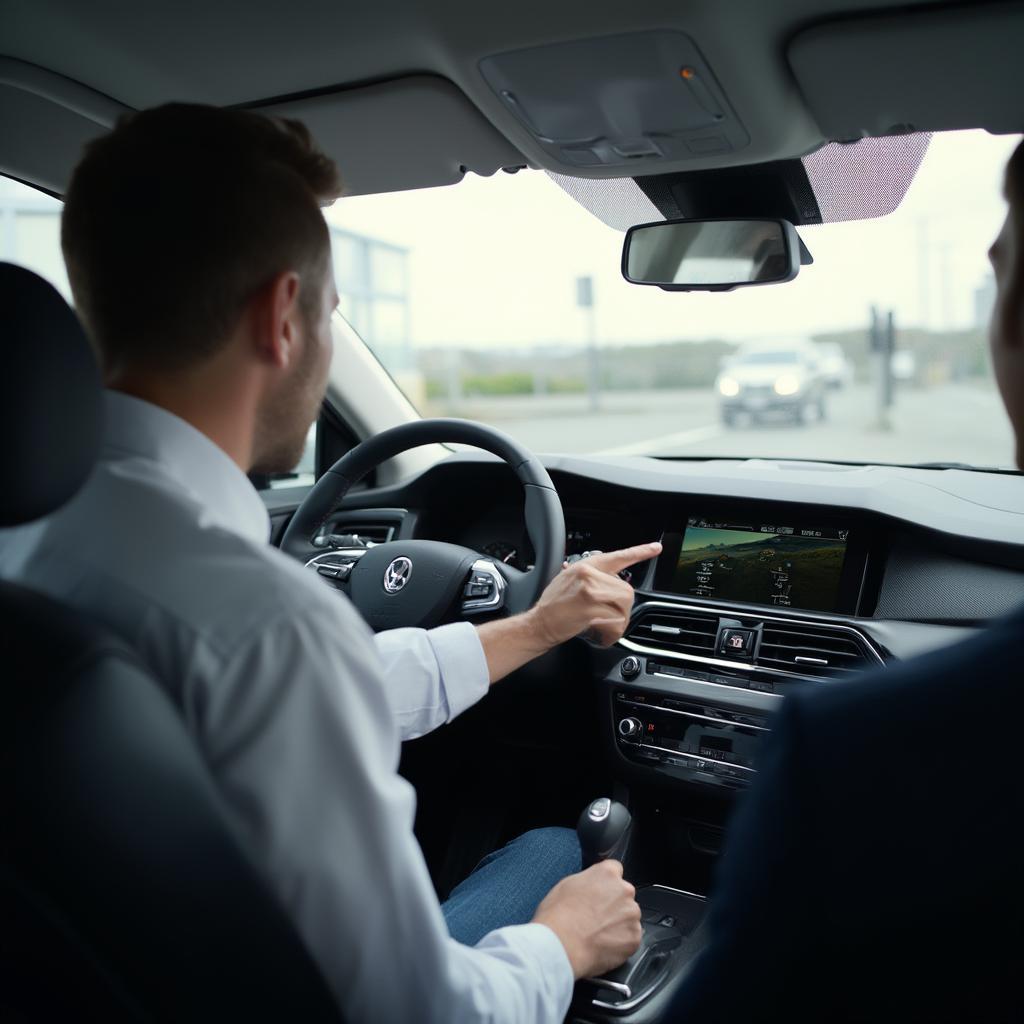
(588, 597)
(596, 918)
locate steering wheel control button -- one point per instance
(485, 591)
(630, 667)
(336, 566)
(737, 643)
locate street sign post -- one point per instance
(585, 300)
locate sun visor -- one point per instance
(928, 70)
(838, 182)
(414, 132)
(636, 102)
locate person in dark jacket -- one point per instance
(873, 871)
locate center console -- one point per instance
(734, 615)
(738, 610)
(642, 988)
(692, 688)
(687, 736)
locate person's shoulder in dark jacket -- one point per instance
(872, 871)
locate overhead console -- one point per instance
(641, 102)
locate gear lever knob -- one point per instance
(603, 830)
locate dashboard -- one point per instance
(773, 575)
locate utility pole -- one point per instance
(540, 373)
(585, 300)
(882, 334)
(453, 373)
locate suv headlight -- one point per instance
(787, 384)
(728, 387)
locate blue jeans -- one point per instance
(507, 886)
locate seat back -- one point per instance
(125, 894)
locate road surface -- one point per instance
(950, 423)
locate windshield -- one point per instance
(501, 299)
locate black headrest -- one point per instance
(51, 408)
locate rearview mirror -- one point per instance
(711, 255)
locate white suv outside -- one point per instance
(772, 379)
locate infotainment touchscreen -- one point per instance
(790, 564)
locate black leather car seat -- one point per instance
(124, 893)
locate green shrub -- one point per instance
(498, 384)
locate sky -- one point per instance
(701, 537)
(493, 261)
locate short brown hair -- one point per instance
(174, 219)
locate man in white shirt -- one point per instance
(200, 264)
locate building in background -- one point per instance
(30, 232)
(984, 301)
(372, 278)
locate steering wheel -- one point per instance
(422, 582)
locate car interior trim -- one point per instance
(683, 756)
(910, 55)
(693, 714)
(682, 892)
(709, 609)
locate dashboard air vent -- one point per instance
(374, 533)
(813, 650)
(678, 631)
(351, 534)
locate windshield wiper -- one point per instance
(1004, 470)
(960, 465)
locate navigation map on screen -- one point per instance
(779, 564)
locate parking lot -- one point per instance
(948, 423)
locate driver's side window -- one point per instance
(30, 232)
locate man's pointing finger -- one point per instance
(614, 561)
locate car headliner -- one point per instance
(394, 92)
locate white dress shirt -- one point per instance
(298, 710)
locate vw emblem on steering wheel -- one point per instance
(397, 574)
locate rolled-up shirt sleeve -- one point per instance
(430, 676)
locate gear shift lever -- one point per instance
(603, 830)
